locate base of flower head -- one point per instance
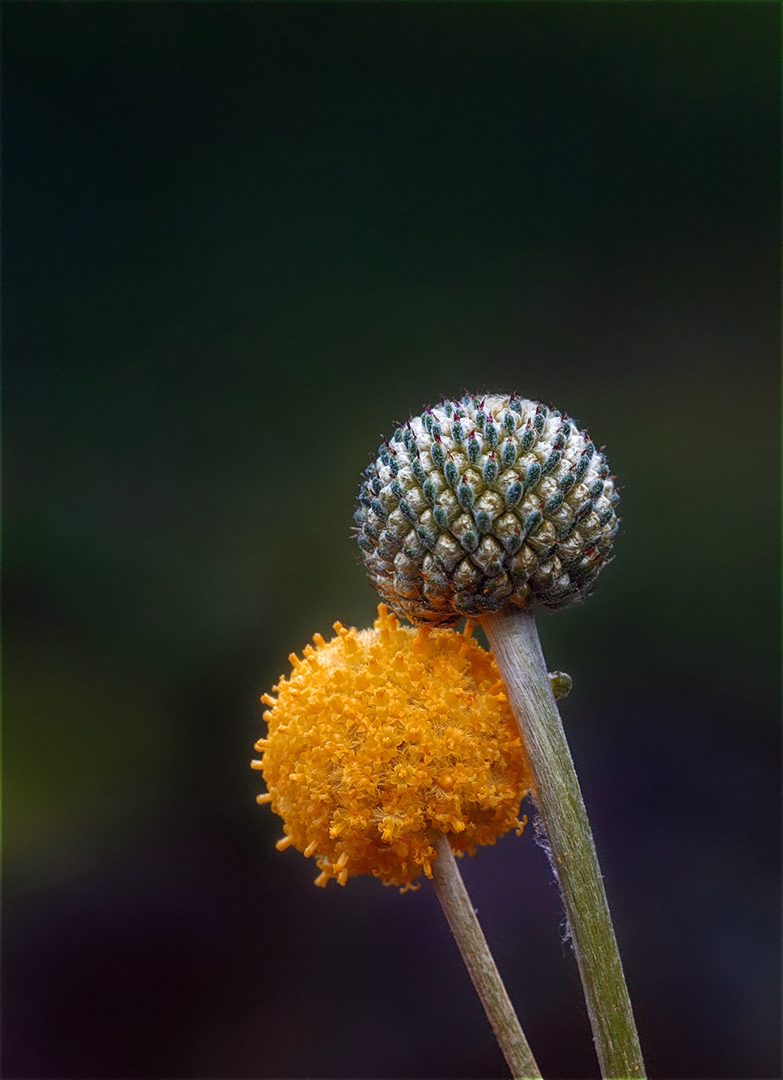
(412, 868)
(380, 739)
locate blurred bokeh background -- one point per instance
(242, 241)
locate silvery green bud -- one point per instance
(485, 502)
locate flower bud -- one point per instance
(482, 503)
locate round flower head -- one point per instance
(484, 502)
(380, 739)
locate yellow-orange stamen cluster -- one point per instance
(382, 738)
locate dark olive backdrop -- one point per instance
(241, 241)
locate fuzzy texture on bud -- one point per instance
(483, 502)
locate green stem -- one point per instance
(461, 917)
(514, 639)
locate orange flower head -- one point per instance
(380, 739)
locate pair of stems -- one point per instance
(513, 636)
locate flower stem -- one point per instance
(514, 639)
(461, 917)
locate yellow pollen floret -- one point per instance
(384, 738)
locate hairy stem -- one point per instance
(514, 639)
(461, 917)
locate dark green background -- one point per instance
(242, 240)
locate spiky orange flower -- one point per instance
(382, 738)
